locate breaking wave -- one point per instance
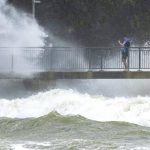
(68, 102)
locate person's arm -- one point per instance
(121, 44)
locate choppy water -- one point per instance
(65, 119)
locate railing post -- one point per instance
(139, 58)
(128, 59)
(101, 62)
(51, 51)
(12, 61)
(89, 53)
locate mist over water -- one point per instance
(108, 87)
(18, 29)
(75, 114)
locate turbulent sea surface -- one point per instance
(64, 119)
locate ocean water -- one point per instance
(66, 119)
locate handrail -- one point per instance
(72, 58)
(75, 47)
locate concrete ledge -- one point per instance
(94, 75)
(80, 75)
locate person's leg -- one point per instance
(127, 54)
(127, 63)
(125, 60)
(124, 63)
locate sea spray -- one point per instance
(68, 102)
(18, 29)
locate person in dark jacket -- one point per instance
(125, 51)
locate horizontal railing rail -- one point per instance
(61, 59)
(7, 47)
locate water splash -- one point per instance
(68, 102)
(18, 29)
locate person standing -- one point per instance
(125, 51)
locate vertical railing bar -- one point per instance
(128, 59)
(145, 54)
(51, 51)
(102, 62)
(90, 57)
(139, 58)
(143, 58)
(146, 66)
(148, 59)
(12, 61)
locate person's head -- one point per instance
(125, 38)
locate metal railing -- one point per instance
(61, 59)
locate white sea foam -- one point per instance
(20, 147)
(30, 145)
(68, 102)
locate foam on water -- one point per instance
(68, 102)
(30, 145)
(67, 144)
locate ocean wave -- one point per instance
(68, 102)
